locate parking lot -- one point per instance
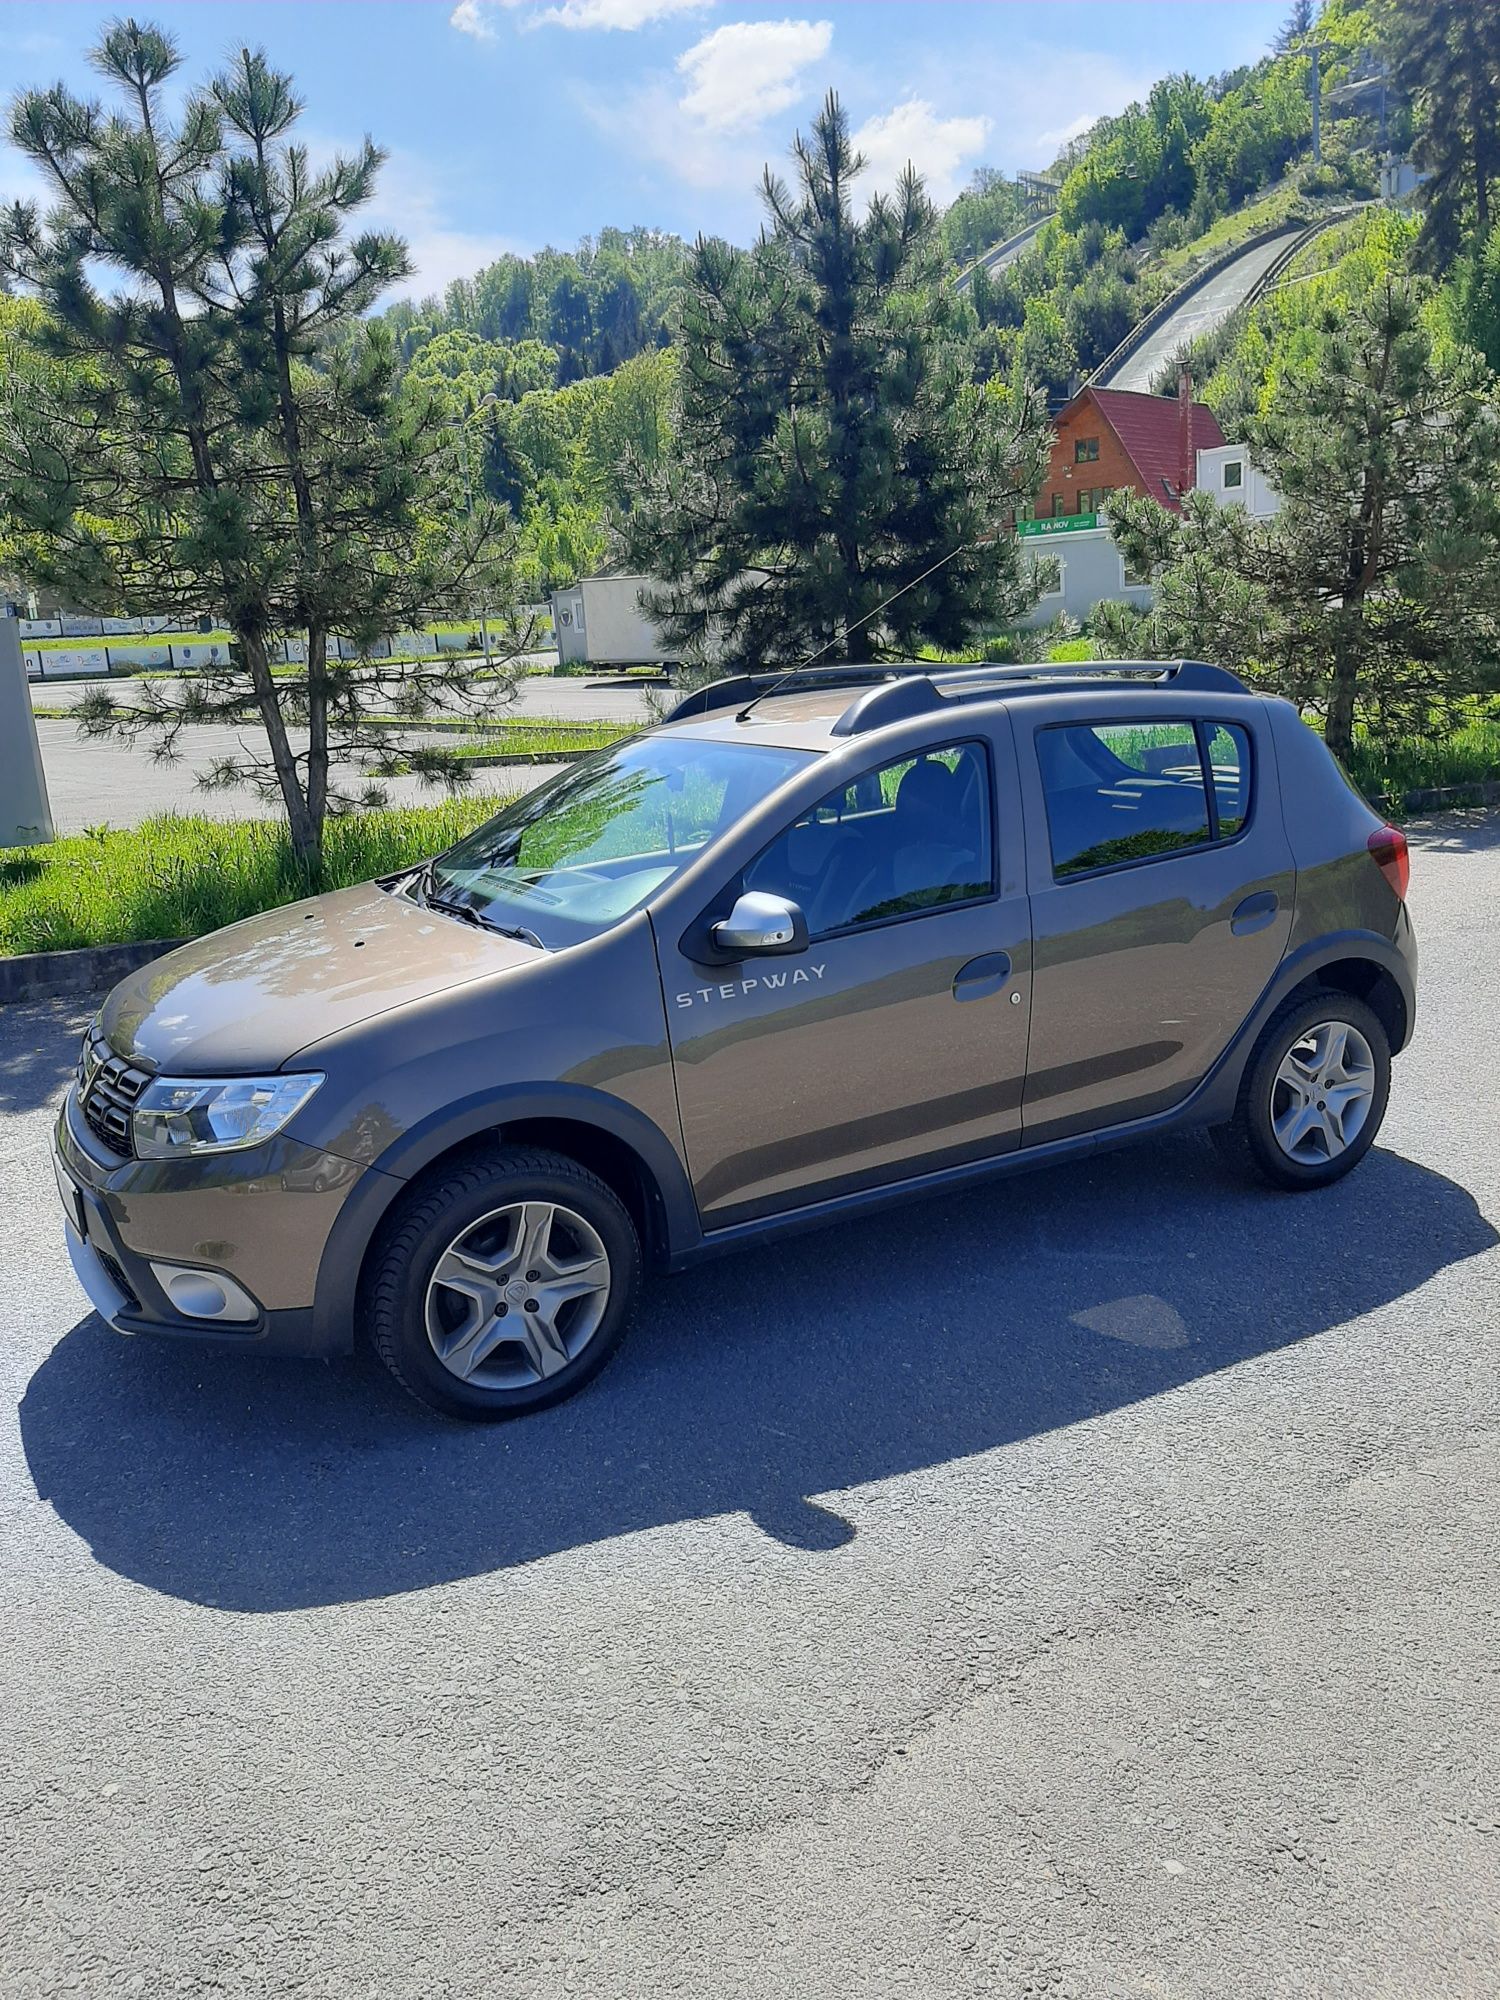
(1083, 1586)
(94, 781)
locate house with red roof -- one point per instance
(1109, 438)
(1106, 440)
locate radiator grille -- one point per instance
(108, 1087)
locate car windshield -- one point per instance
(573, 857)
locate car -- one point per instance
(811, 944)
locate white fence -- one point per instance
(134, 653)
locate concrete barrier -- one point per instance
(48, 975)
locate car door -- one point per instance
(895, 1042)
(1162, 891)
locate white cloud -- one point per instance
(410, 201)
(477, 17)
(471, 19)
(937, 147)
(746, 72)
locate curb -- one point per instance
(1483, 792)
(48, 975)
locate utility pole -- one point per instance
(25, 816)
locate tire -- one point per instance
(446, 1274)
(1249, 1142)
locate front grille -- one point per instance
(108, 1088)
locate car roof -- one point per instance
(824, 712)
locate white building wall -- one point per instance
(1227, 472)
(1091, 571)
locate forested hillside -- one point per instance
(557, 361)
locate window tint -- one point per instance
(1121, 792)
(1229, 760)
(911, 836)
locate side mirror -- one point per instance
(759, 925)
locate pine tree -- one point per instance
(833, 454)
(1445, 58)
(230, 443)
(1297, 26)
(1374, 594)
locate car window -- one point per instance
(911, 835)
(1229, 762)
(1120, 792)
(571, 858)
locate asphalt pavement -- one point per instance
(93, 781)
(1083, 1586)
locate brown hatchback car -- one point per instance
(811, 944)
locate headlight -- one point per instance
(176, 1115)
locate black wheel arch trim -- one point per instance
(1213, 1100)
(386, 1179)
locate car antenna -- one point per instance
(979, 542)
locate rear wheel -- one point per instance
(504, 1284)
(1313, 1095)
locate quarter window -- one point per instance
(1121, 792)
(1229, 765)
(911, 836)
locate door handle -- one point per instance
(982, 976)
(1254, 913)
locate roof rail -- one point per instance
(737, 689)
(897, 689)
(895, 700)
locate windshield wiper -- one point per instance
(467, 914)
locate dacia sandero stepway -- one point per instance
(811, 944)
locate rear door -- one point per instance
(896, 1042)
(1162, 890)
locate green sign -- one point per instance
(1058, 524)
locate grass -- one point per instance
(1470, 756)
(1272, 207)
(180, 877)
(117, 639)
(538, 738)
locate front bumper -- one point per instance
(261, 1218)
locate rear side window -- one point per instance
(1121, 792)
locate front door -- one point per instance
(896, 1042)
(1161, 902)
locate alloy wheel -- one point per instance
(517, 1295)
(1322, 1093)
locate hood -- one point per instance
(245, 1000)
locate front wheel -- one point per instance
(1313, 1095)
(503, 1284)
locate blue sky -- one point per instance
(515, 123)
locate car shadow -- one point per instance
(944, 1328)
(39, 1049)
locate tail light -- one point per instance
(1388, 847)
